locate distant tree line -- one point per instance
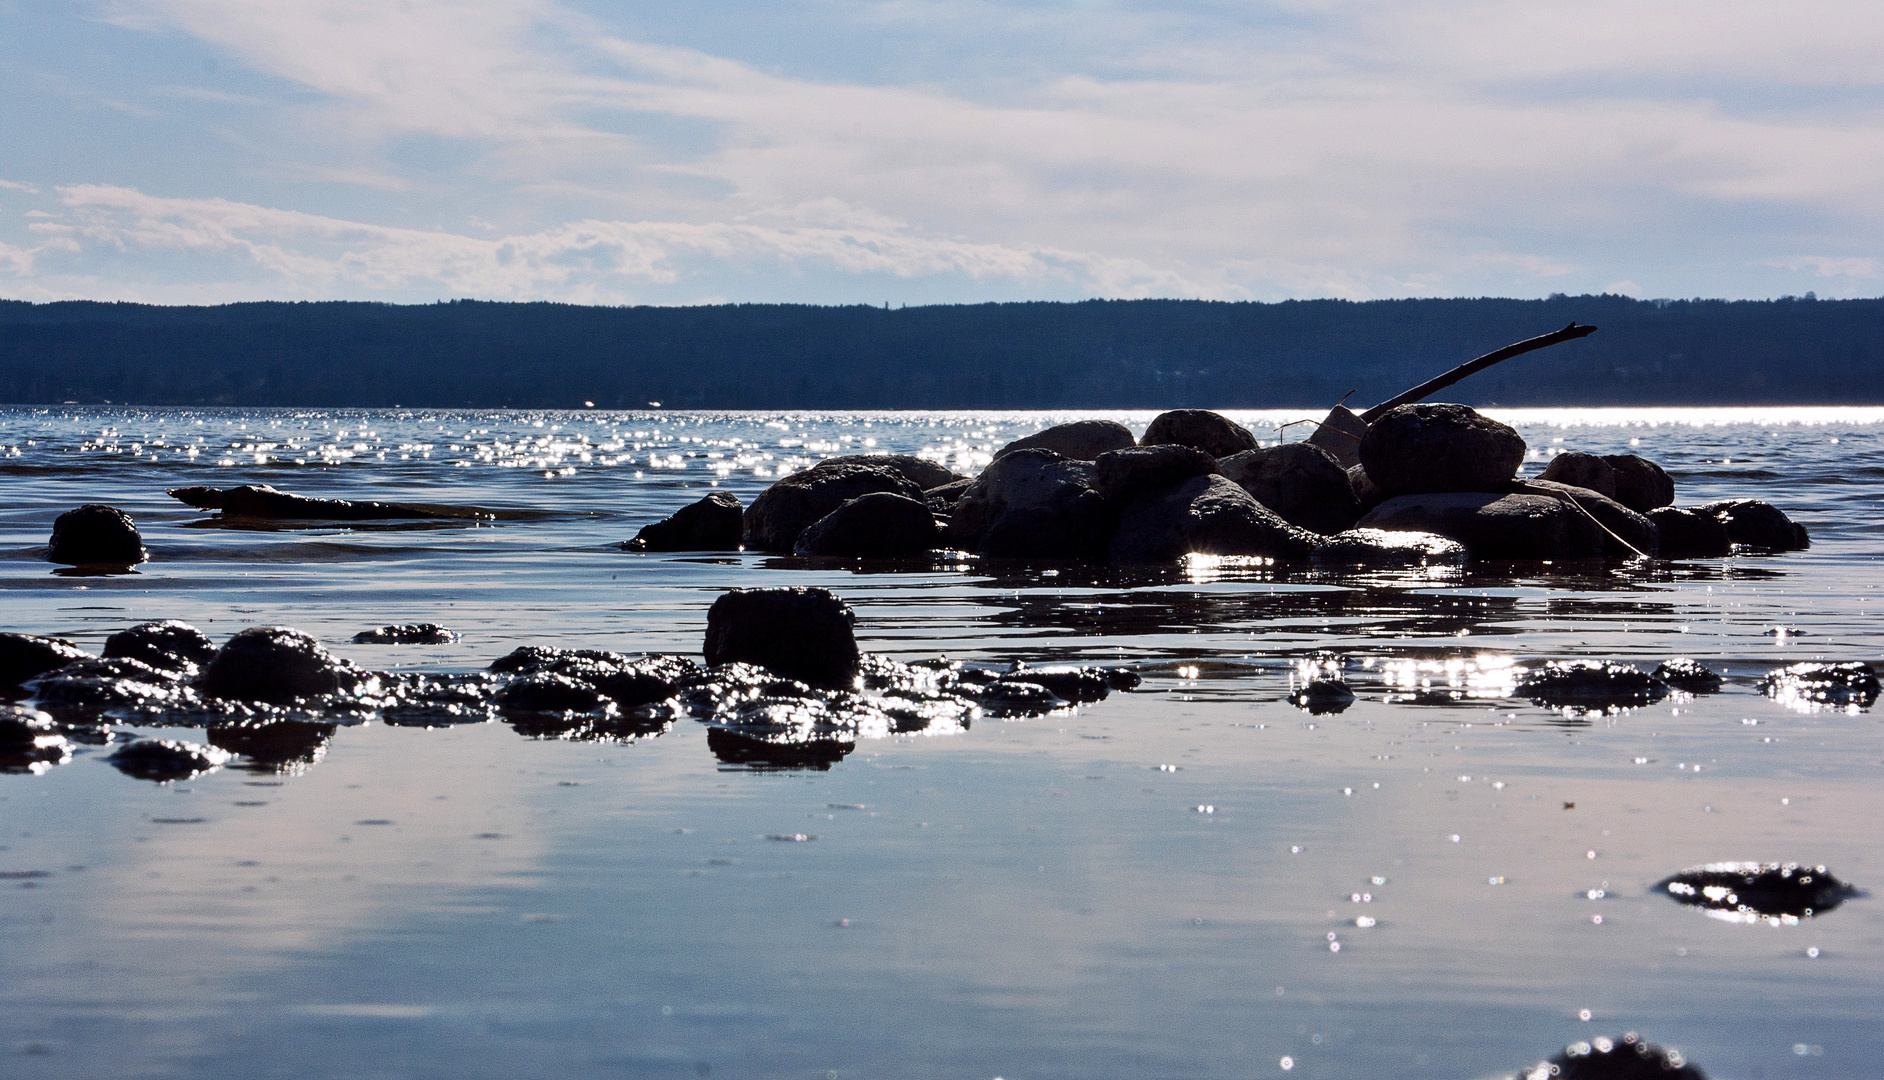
(1093, 354)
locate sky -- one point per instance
(938, 151)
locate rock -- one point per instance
(1420, 449)
(942, 500)
(1759, 524)
(169, 644)
(1033, 504)
(1689, 675)
(165, 760)
(263, 501)
(1017, 697)
(734, 748)
(789, 507)
(800, 633)
(1758, 892)
(1823, 684)
(1590, 684)
(23, 656)
(1303, 484)
(711, 524)
(542, 692)
(879, 524)
(1123, 475)
(82, 692)
(1633, 532)
(406, 634)
(23, 728)
(922, 473)
(1602, 1058)
(275, 745)
(1578, 469)
(277, 665)
(1381, 548)
(1069, 682)
(1213, 433)
(1641, 485)
(1366, 491)
(1081, 440)
(96, 535)
(1323, 696)
(1687, 533)
(1494, 526)
(1206, 515)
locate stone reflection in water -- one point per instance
(167, 760)
(1448, 680)
(280, 746)
(1602, 1058)
(1806, 687)
(1778, 894)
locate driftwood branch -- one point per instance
(1473, 367)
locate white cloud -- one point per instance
(15, 185)
(1832, 266)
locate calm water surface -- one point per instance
(1151, 886)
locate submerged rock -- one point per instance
(276, 745)
(1073, 683)
(1590, 684)
(1758, 524)
(734, 748)
(406, 634)
(712, 524)
(166, 760)
(1323, 696)
(1081, 440)
(30, 740)
(263, 501)
(801, 633)
(1747, 892)
(23, 656)
(1689, 675)
(1033, 504)
(169, 644)
(1494, 526)
(1389, 549)
(781, 512)
(277, 665)
(1823, 684)
(1422, 449)
(881, 525)
(1689, 533)
(1303, 484)
(543, 692)
(1603, 1058)
(1213, 433)
(96, 535)
(1206, 515)
(1123, 475)
(1018, 697)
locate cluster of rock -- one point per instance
(1432, 484)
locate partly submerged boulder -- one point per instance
(921, 472)
(1578, 469)
(1603, 1058)
(1420, 449)
(1495, 526)
(1381, 548)
(800, 633)
(1687, 533)
(1081, 440)
(879, 524)
(1303, 484)
(1627, 532)
(1206, 515)
(1759, 524)
(23, 656)
(713, 523)
(277, 665)
(1641, 485)
(1033, 504)
(1213, 433)
(96, 535)
(1123, 475)
(423, 633)
(1688, 675)
(167, 644)
(1590, 684)
(166, 760)
(790, 506)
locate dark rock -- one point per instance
(427, 700)
(543, 692)
(1033, 504)
(1689, 675)
(1604, 1058)
(276, 665)
(1494, 526)
(941, 500)
(1213, 433)
(1123, 475)
(1068, 682)
(922, 473)
(1366, 491)
(800, 633)
(263, 501)
(1323, 696)
(1420, 449)
(1641, 485)
(1759, 524)
(1303, 484)
(1590, 684)
(406, 634)
(1758, 892)
(1687, 533)
(880, 524)
(275, 745)
(1081, 440)
(83, 691)
(789, 507)
(711, 524)
(169, 644)
(96, 535)
(23, 656)
(1824, 684)
(1206, 515)
(1628, 533)
(1578, 469)
(165, 760)
(734, 748)
(1381, 548)
(1018, 697)
(30, 741)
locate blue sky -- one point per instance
(926, 151)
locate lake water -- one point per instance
(1150, 886)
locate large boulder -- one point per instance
(96, 535)
(1123, 475)
(1420, 449)
(878, 524)
(1207, 515)
(1493, 525)
(1641, 485)
(1213, 433)
(1629, 533)
(1033, 504)
(168, 645)
(277, 665)
(712, 524)
(1081, 440)
(23, 656)
(789, 507)
(1303, 484)
(1379, 548)
(1688, 533)
(1759, 524)
(1578, 469)
(924, 474)
(803, 634)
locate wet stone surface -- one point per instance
(1773, 893)
(1602, 1058)
(1852, 684)
(406, 634)
(1588, 684)
(167, 760)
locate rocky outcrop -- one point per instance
(1213, 433)
(276, 665)
(712, 524)
(168, 644)
(1628, 533)
(1123, 475)
(1081, 440)
(96, 535)
(22, 656)
(1494, 526)
(1383, 549)
(1303, 484)
(803, 634)
(1207, 515)
(1422, 449)
(881, 524)
(1033, 504)
(918, 471)
(781, 512)
(1687, 533)
(1759, 524)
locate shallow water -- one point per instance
(1037, 898)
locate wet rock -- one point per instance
(275, 746)
(711, 524)
(941, 500)
(1366, 492)
(1303, 484)
(1578, 469)
(263, 501)
(428, 700)
(734, 748)
(1081, 440)
(1073, 683)
(1641, 485)
(1747, 892)
(630, 680)
(542, 692)
(800, 633)
(1213, 433)
(1691, 676)
(790, 506)
(169, 644)
(922, 473)
(166, 760)
(23, 656)
(1382, 548)
(1589, 684)
(1823, 684)
(84, 691)
(277, 665)
(1018, 697)
(1494, 526)
(1603, 1058)
(1759, 524)
(1123, 475)
(1033, 504)
(96, 535)
(880, 525)
(406, 634)
(1207, 515)
(1420, 449)
(1627, 531)
(30, 741)
(1323, 696)
(1687, 533)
